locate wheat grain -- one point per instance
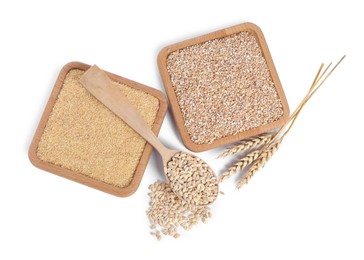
(223, 87)
(167, 212)
(192, 179)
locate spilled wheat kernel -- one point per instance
(168, 213)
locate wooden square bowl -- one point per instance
(190, 81)
(86, 142)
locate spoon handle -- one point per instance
(105, 90)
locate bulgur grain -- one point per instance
(84, 136)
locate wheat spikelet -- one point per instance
(241, 164)
(262, 159)
(248, 144)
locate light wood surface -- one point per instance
(162, 64)
(104, 89)
(78, 177)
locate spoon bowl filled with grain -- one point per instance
(192, 179)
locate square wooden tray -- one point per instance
(162, 63)
(78, 177)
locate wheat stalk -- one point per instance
(259, 157)
(247, 144)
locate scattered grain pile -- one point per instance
(167, 212)
(84, 136)
(183, 201)
(192, 179)
(223, 87)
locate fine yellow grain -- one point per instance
(84, 136)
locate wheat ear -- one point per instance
(259, 162)
(241, 164)
(245, 145)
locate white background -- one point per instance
(307, 203)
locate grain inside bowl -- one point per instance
(80, 139)
(223, 87)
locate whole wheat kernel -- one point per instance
(223, 87)
(168, 213)
(192, 179)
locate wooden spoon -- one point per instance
(107, 92)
